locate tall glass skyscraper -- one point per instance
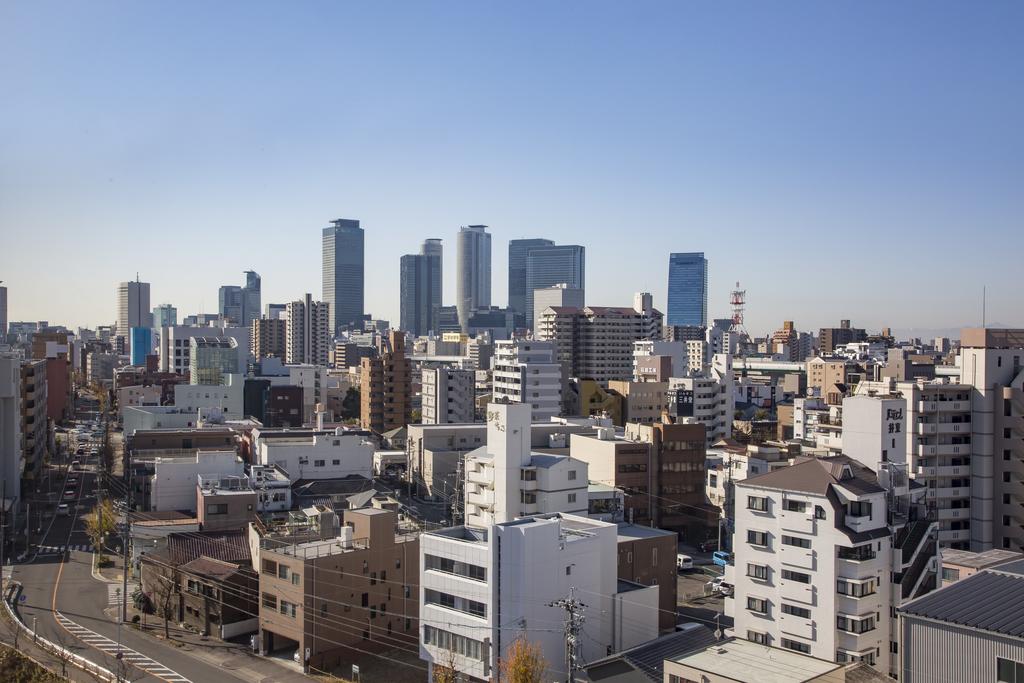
(687, 290)
(551, 265)
(421, 289)
(517, 291)
(343, 270)
(473, 272)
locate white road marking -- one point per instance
(108, 646)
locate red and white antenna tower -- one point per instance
(738, 300)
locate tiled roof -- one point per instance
(647, 661)
(230, 546)
(208, 567)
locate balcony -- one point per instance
(951, 535)
(953, 449)
(954, 428)
(950, 492)
(927, 406)
(954, 406)
(954, 513)
(925, 428)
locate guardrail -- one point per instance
(61, 653)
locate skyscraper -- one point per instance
(473, 272)
(307, 336)
(687, 290)
(421, 288)
(517, 250)
(165, 315)
(343, 269)
(3, 314)
(551, 265)
(240, 305)
(133, 307)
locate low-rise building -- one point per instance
(959, 564)
(315, 454)
(740, 660)
(647, 556)
(225, 501)
(358, 589)
(448, 396)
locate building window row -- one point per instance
(757, 503)
(453, 642)
(796, 541)
(796, 645)
(799, 577)
(459, 604)
(855, 624)
(449, 566)
(856, 589)
(801, 612)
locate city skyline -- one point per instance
(772, 160)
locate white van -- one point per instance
(684, 562)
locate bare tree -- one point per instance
(62, 652)
(523, 662)
(165, 591)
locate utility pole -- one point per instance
(125, 535)
(573, 622)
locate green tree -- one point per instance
(350, 404)
(100, 524)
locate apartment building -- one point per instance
(627, 464)
(448, 396)
(596, 342)
(830, 338)
(707, 398)
(385, 389)
(269, 337)
(34, 427)
(823, 553)
(991, 361)
(319, 597)
(308, 331)
(526, 372)
(481, 588)
(647, 556)
(505, 479)
(315, 454)
(832, 378)
(225, 501)
(12, 455)
(643, 402)
(676, 352)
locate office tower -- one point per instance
(385, 386)
(141, 344)
(3, 314)
(165, 315)
(240, 305)
(517, 289)
(133, 308)
(473, 272)
(308, 335)
(274, 311)
(527, 372)
(269, 337)
(211, 358)
(830, 338)
(343, 271)
(556, 296)
(552, 265)
(421, 289)
(449, 396)
(687, 290)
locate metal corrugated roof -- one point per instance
(991, 600)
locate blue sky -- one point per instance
(861, 160)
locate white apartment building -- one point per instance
(176, 342)
(308, 332)
(823, 553)
(12, 455)
(448, 396)
(818, 425)
(273, 486)
(596, 342)
(713, 398)
(313, 454)
(505, 480)
(526, 372)
(138, 396)
(312, 379)
(173, 483)
(676, 350)
(720, 338)
(728, 463)
(227, 397)
(481, 588)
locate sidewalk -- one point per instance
(237, 660)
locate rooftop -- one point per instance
(211, 568)
(988, 558)
(816, 475)
(742, 660)
(991, 600)
(649, 658)
(630, 532)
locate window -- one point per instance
(801, 612)
(757, 637)
(796, 646)
(757, 571)
(217, 509)
(796, 541)
(855, 589)
(269, 601)
(282, 571)
(269, 567)
(791, 505)
(572, 475)
(335, 462)
(950, 574)
(1009, 671)
(527, 497)
(572, 497)
(819, 512)
(449, 566)
(319, 463)
(799, 577)
(654, 557)
(857, 554)
(288, 608)
(759, 605)
(757, 503)
(757, 537)
(632, 468)
(373, 578)
(855, 625)
(528, 475)
(453, 642)
(366, 600)
(296, 578)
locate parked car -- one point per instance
(721, 558)
(720, 586)
(708, 546)
(80, 450)
(63, 510)
(684, 562)
(76, 464)
(69, 494)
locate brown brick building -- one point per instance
(385, 391)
